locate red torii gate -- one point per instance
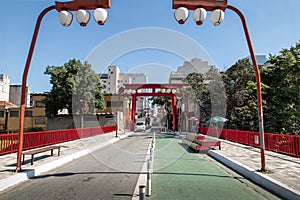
(166, 90)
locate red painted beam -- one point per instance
(208, 5)
(81, 4)
(152, 85)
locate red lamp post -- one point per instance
(218, 7)
(66, 17)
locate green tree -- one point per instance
(198, 92)
(166, 102)
(74, 86)
(241, 96)
(283, 95)
(208, 92)
(241, 91)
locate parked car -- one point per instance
(140, 126)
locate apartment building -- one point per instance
(114, 79)
(195, 65)
(4, 87)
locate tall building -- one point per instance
(15, 92)
(195, 65)
(4, 87)
(114, 80)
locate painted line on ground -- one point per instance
(142, 180)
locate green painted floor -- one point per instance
(182, 174)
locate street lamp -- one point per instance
(217, 7)
(199, 15)
(66, 18)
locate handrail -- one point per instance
(281, 143)
(9, 142)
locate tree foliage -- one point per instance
(283, 96)
(198, 92)
(74, 85)
(166, 102)
(280, 89)
(241, 96)
(207, 90)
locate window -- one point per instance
(28, 113)
(40, 104)
(1, 113)
(114, 104)
(14, 114)
(40, 121)
(31, 101)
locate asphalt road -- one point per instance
(109, 173)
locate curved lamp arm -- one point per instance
(24, 81)
(258, 86)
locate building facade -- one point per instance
(35, 116)
(4, 87)
(114, 79)
(15, 92)
(195, 65)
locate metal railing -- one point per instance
(9, 142)
(286, 144)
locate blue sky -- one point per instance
(272, 24)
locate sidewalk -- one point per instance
(44, 161)
(285, 170)
(181, 174)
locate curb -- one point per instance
(24, 176)
(276, 187)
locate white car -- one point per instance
(140, 126)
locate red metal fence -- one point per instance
(9, 142)
(286, 144)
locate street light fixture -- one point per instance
(216, 17)
(100, 16)
(83, 17)
(65, 18)
(199, 15)
(218, 7)
(181, 15)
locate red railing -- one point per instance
(286, 144)
(9, 142)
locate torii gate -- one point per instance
(166, 90)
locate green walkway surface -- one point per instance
(181, 174)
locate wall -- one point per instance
(70, 122)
